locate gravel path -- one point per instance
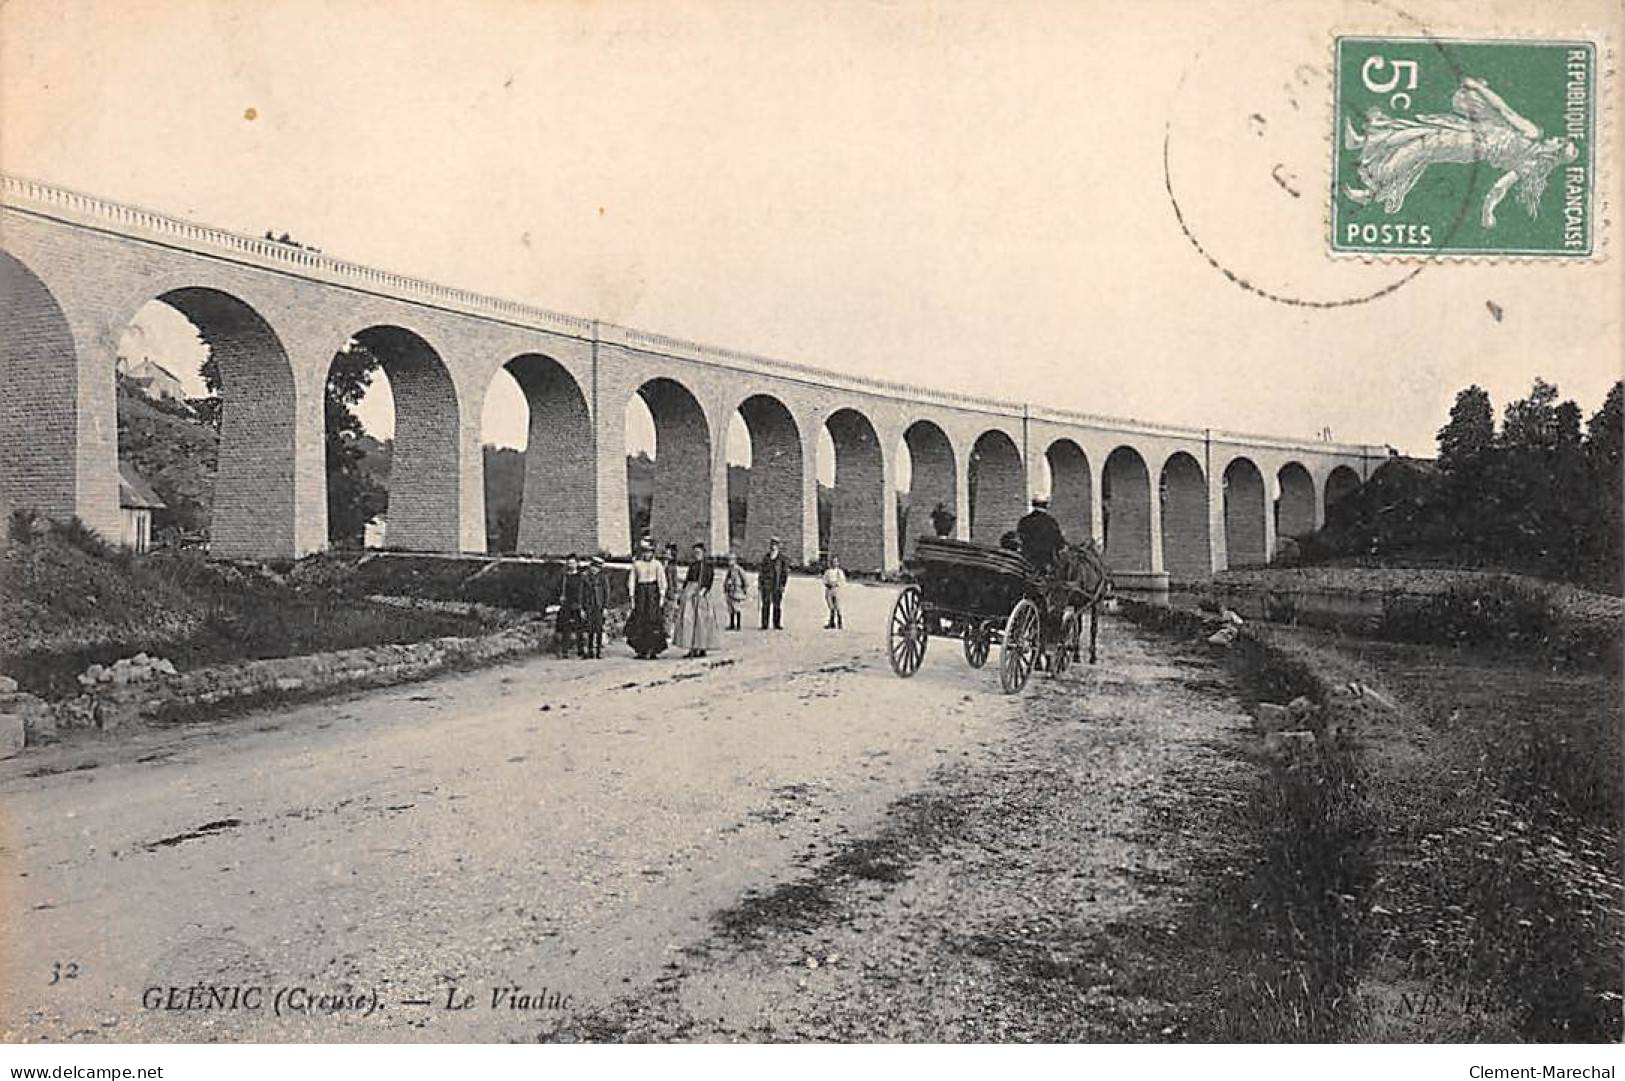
(639, 849)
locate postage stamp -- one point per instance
(1457, 148)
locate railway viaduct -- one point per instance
(75, 269)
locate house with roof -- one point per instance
(154, 381)
(136, 501)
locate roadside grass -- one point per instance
(1501, 892)
(1445, 870)
(1284, 926)
(73, 601)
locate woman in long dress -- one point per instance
(697, 629)
(646, 628)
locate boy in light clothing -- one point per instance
(834, 579)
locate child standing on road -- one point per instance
(673, 589)
(734, 591)
(834, 579)
(567, 625)
(596, 596)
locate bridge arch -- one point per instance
(933, 479)
(857, 530)
(1125, 488)
(561, 479)
(777, 471)
(680, 508)
(1295, 509)
(1070, 483)
(425, 479)
(39, 411)
(1186, 545)
(998, 489)
(1341, 483)
(1244, 524)
(253, 507)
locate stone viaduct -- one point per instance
(75, 269)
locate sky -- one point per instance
(976, 196)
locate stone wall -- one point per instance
(195, 694)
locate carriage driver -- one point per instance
(1040, 535)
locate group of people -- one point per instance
(583, 596)
(668, 613)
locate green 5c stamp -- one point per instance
(1464, 147)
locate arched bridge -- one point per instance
(75, 270)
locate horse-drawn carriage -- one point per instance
(986, 596)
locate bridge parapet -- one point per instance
(130, 220)
(97, 212)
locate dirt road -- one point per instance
(780, 841)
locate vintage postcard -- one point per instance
(532, 525)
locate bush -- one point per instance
(20, 527)
(1498, 610)
(27, 525)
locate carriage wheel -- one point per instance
(1066, 648)
(905, 634)
(977, 643)
(1021, 645)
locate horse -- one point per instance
(1078, 578)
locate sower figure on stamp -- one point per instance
(735, 589)
(567, 625)
(595, 598)
(770, 582)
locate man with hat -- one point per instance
(1040, 535)
(770, 582)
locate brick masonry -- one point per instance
(934, 478)
(1244, 525)
(1129, 538)
(773, 503)
(1295, 510)
(998, 481)
(681, 513)
(560, 483)
(254, 481)
(76, 269)
(858, 510)
(1187, 554)
(1070, 483)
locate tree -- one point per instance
(1466, 458)
(1605, 433)
(1547, 509)
(1531, 423)
(1541, 496)
(504, 491)
(354, 497)
(1466, 440)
